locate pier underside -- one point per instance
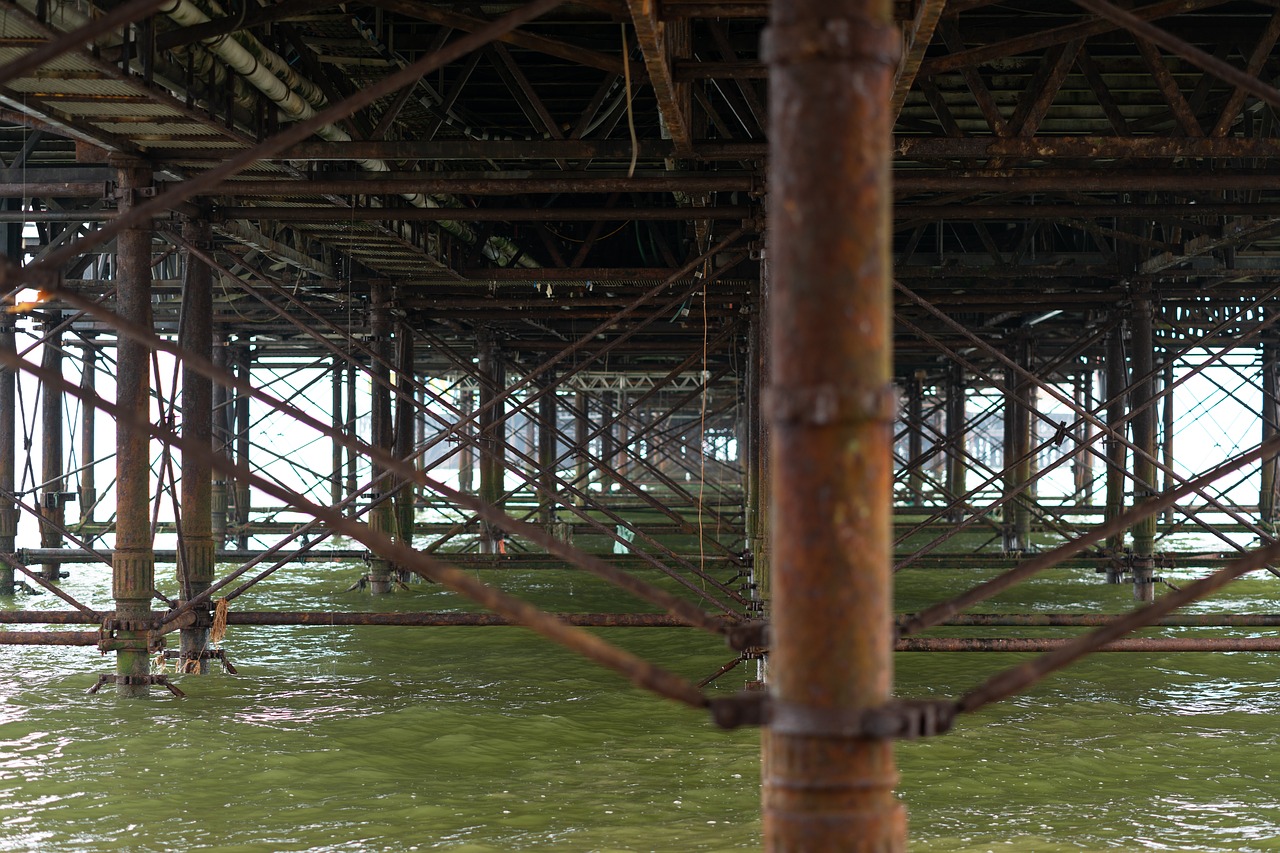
(743, 308)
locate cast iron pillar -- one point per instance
(1024, 404)
(915, 438)
(492, 437)
(581, 434)
(466, 451)
(1269, 416)
(1143, 424)
(407, 417)
(133, 560)
(1167, 445)
(88, 486)
(1008, 414)
(8, 444)
(52, 514)
(352, 433)
(382, 515)
(196, 554)
(956, 467)
(1117, 451)
(244, 362)
(1082, 464)
(335, 446)
(831, 409)
(221, 446)
(547, 451)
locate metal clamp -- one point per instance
(839, 39)
(827, 404)
(902, 719)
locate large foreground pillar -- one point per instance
(133, 560)
(831, 408)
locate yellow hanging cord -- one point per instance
(219, 629)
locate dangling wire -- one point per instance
(631, 116)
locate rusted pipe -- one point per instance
(830, 411)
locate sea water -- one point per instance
(491, 739)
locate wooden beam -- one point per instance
(661, 42)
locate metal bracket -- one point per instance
(825, 405)
(902, 719)
(138, 681)
(835, 39)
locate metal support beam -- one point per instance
(547, 453)
(830, 417)
(1117, 451)
(88, 433)
(52, 514)
(407, 416)
(133, 563)
(8, 445)
(1269, 415)
(382, 517)
(1143, 425)
(492, 436)
(244, 367)
(197, 547)
(221, 438)
(956, 463)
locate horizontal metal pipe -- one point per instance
(482, 214)
(471, 561)
(1039, 645)
(484, 184)
(48, 638)
(1094, 620)
(324, 619)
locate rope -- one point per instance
(218, 631)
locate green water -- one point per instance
(474, 739)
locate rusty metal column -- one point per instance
(52, 514)
(1022, 444)
(1143, 425)
(1270, 413)
(492, 434)
(1168, 445)
(352, 456)
(581, 429)
(831, 410)
(1008, 470)
(547, 451)
(133, 560)
(382, 517)
(88, 431)
(243, 494)
(406, 417)
(1117, 451)
(608, 444)
(915, 438)
(8, 445)
(196, 557)
(956, 467)
(221, 438)
(1082, 465)
(335, 478)
(466, 455)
